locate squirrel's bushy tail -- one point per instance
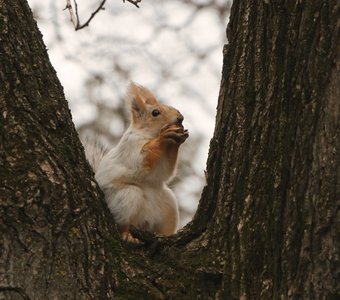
(94, 151)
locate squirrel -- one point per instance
(134, 174)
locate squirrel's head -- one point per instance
(147, 113)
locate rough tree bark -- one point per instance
(267, 226)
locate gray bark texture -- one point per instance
(267, 226)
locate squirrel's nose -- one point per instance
(180, 119)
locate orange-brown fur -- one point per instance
(160, 148)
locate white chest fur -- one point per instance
(135, 196)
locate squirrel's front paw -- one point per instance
(174, 134)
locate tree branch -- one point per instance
(75, 16)
(72, 15)
(100, 7)
(134, 2)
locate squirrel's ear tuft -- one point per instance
(135, 102)
(142, 94)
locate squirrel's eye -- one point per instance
(155, 112)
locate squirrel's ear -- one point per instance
(135, 102)
(142, 94)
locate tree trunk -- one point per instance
(277, 133)
(267, 226)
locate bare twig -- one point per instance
(75, 16)
(72, 15)
(100, 7)
(134, 2)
